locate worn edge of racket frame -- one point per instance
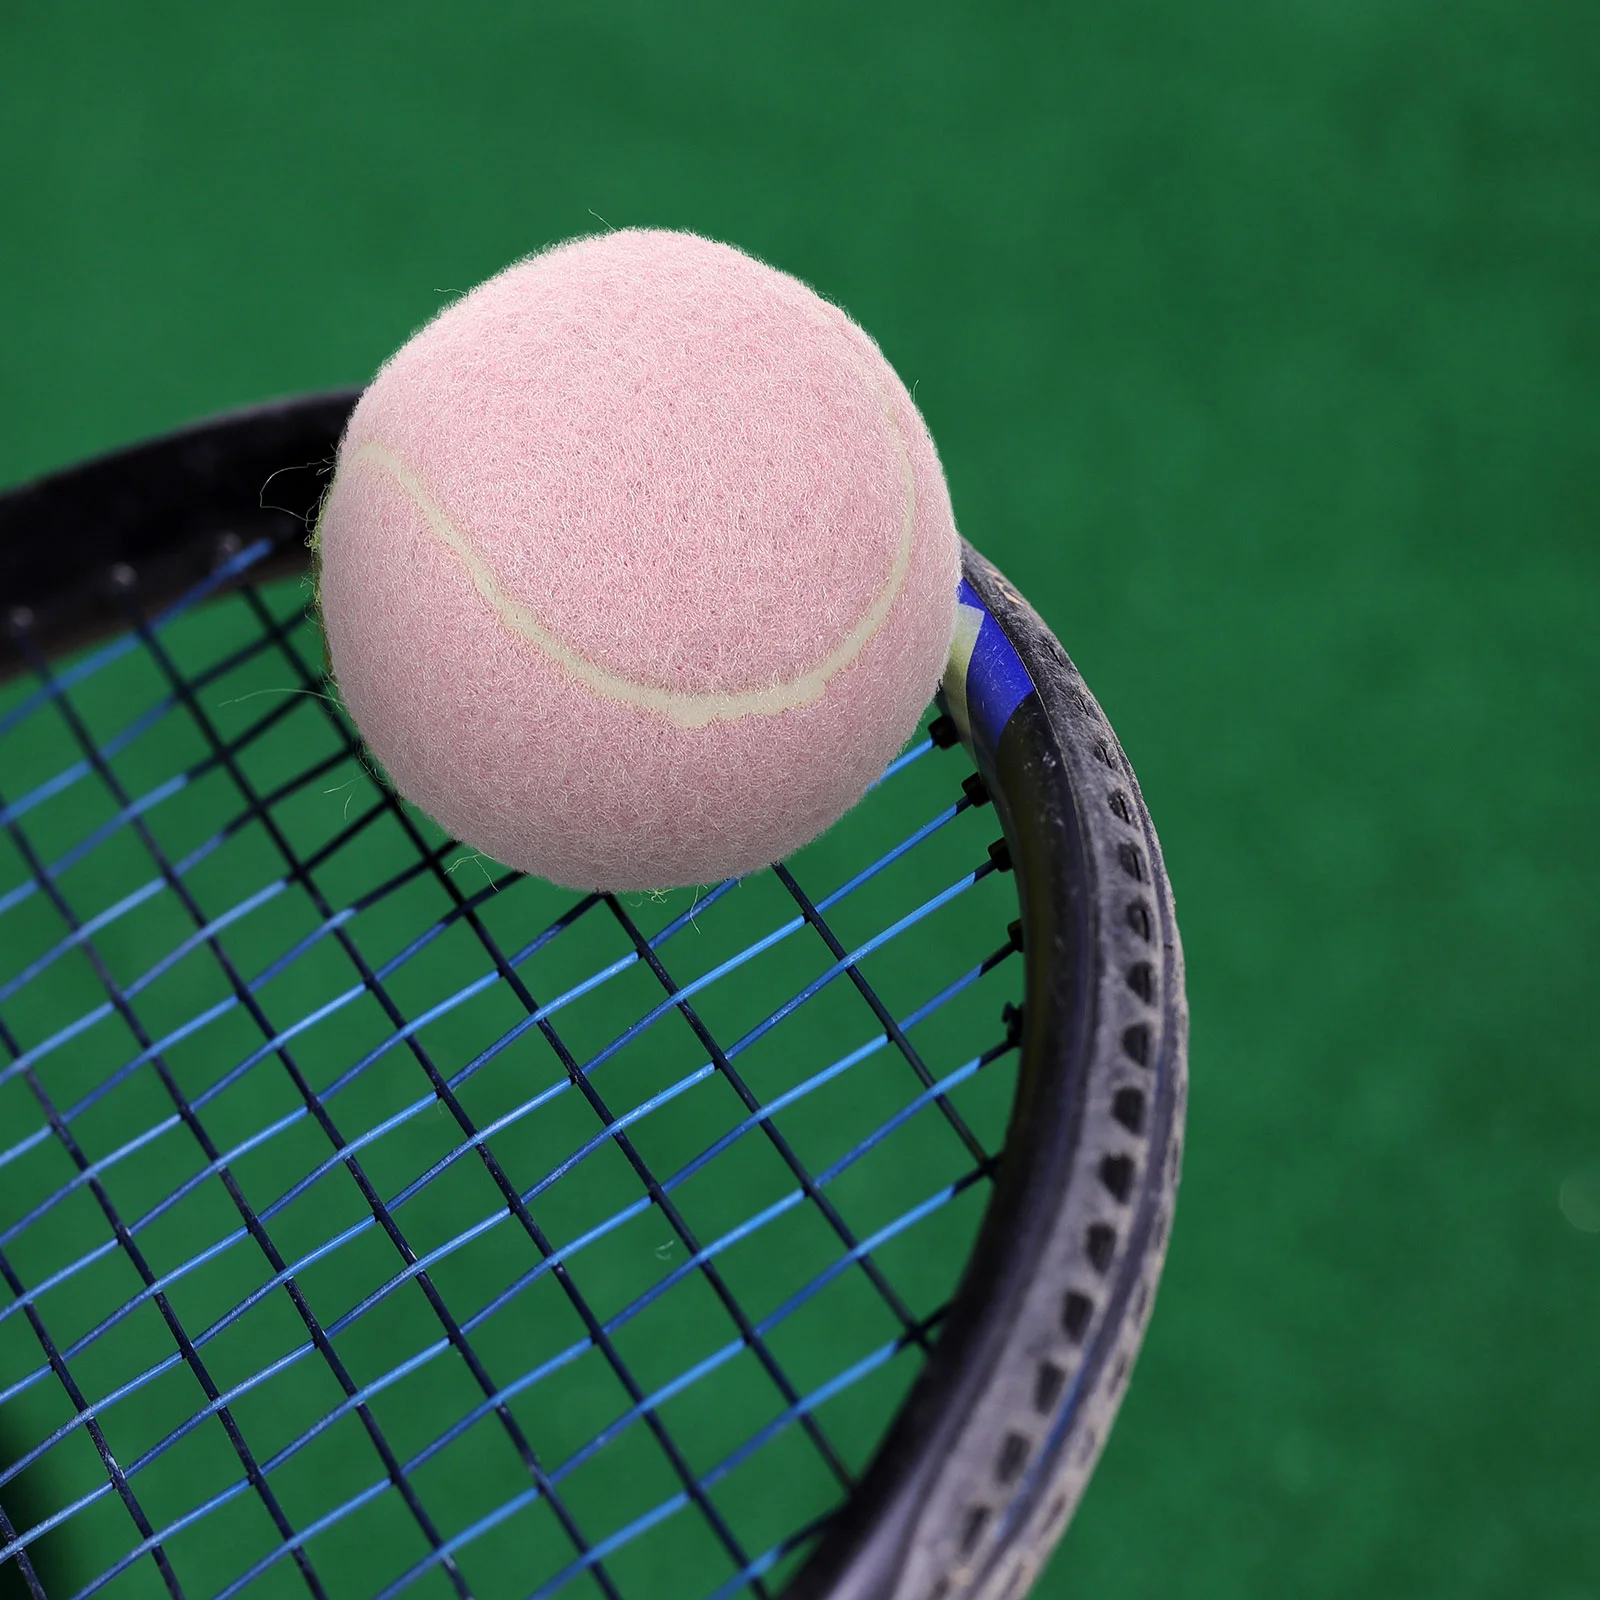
(978, 1475)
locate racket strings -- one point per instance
(145, 802)
(447, 1096)
(221, 1170)
(130, 1247)
(423, 1103)
(797, 1410)
(229, 572)
(937, 1090)
(416, 1108)
(813, 915)
(335, 928)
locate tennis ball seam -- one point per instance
(677, 706)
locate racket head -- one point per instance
(988, 1447)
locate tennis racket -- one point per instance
(375, 1221)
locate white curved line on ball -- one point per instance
(677, 706)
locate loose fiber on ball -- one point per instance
(638, 565)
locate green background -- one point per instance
(1262, 345)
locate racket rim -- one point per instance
(855, 1554)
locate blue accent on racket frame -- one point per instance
(996, 682)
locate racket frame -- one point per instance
(981, 1469)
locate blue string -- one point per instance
(391, 1041)
(420, 1358)
(564, 1358)
(123, 644)
(460, 1240)
(143, 895)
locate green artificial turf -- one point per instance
(1260, 343)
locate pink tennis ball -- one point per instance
(638, 565)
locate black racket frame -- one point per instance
(983, 1466)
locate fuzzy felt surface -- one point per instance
(638, 564)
